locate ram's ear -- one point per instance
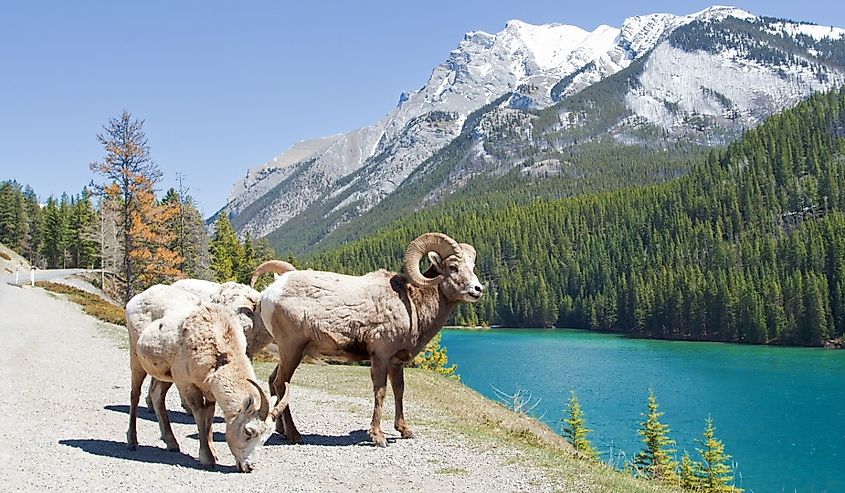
(436, 261)
(248, 405)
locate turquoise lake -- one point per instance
(779, 411)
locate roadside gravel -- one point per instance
(64, 403)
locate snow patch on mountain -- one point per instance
(676, 85)
(812, 30)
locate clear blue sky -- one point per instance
(224, 86)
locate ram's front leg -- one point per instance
(204, 416)
(378, 372)
(396, 372)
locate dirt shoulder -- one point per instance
(65, 398)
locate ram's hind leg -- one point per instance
(138, 376)
(396, 372)
(158, 393)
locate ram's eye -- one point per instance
(453, 268)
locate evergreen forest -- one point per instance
(748, 247)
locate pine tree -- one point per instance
(12, 220)
(433, 357)
(576, 431)
(190, 239)
(33, 228)
(687, 474)
(655, 461)
(54, 234)
(714, 472)
(225, 251)
(83, 250)
(248, 261)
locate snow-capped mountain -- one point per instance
(714, 72)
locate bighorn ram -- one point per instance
(175, 337)
(381, 316)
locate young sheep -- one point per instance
(177, 338)
(382, 316)
(242, 299)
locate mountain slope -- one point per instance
(749, 247)
(529, 93)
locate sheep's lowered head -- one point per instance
(452, 263)
(252, 425)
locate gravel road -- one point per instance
(64, 403)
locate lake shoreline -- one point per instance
(835, 343)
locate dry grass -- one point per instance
(5, 255)
(92, 304)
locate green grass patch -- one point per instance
(452, 471)
(91, 303)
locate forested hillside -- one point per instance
(749, 247)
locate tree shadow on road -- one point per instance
(144, 453)
(148, 414)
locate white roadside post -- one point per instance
(17, 273)
(32, 276)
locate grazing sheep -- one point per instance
(382, 316)
(175, 337)
(238, 297)
(242, 299)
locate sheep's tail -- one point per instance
(275, 266)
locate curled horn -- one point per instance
(264, 409)
(274, 266)
(468, 250)
(428, 242)
(281, 404)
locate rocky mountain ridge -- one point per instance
(705, 77)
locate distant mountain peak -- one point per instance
(658, 74)
(720, 12)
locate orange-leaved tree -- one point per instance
(131, 176)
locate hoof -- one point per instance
(379, 440)
(131, 441)
(173, 447)
(245, 466)
(408, 433)
(294, 438)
